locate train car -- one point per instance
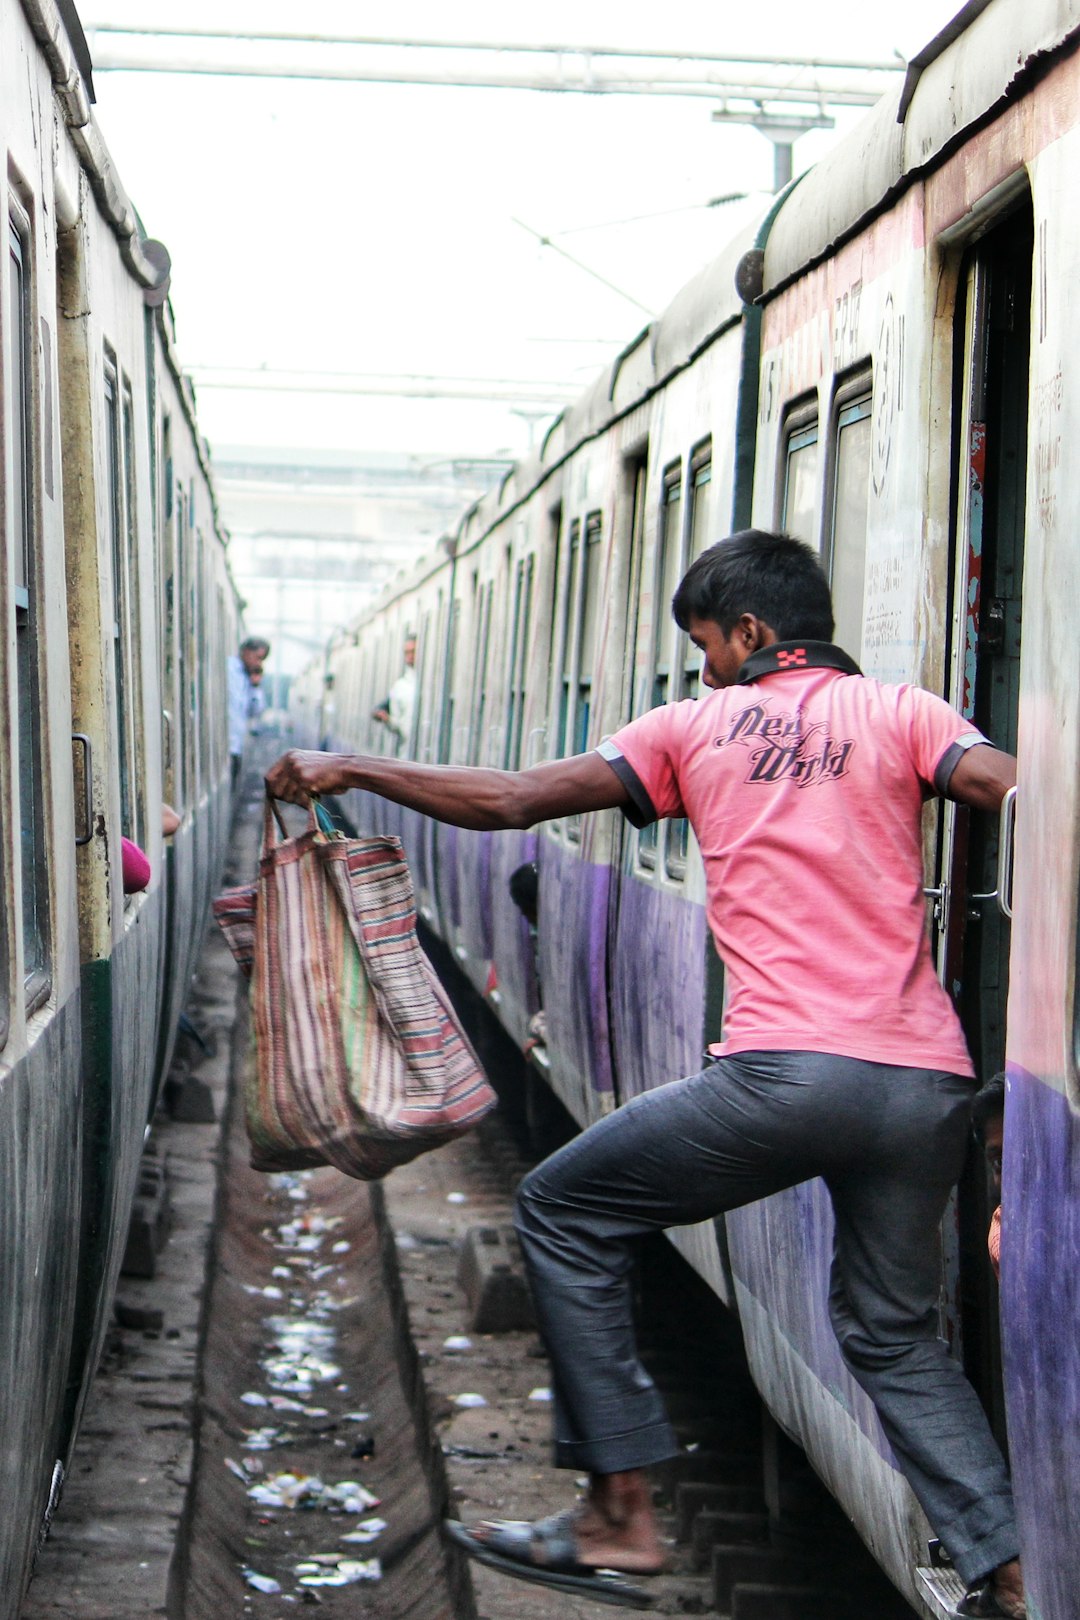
(913, 402)
(118, 615)
(887, 383)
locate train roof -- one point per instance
(981, 60)
(705, 308)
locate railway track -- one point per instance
(339, 1401)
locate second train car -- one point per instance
(118, 613)
(880, 367)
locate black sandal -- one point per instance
(546, 1552)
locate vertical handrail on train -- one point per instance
(748, 285)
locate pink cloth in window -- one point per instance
(134, 866)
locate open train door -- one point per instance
(973, 905)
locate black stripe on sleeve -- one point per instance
(641, 811)
(951, 758)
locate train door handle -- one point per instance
(1003, 892)
(940, 897)
(88, 787)
(167, 728)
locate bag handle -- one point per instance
(318, 818)
(271, 813)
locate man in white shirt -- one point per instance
(246, 698)
(397, 712)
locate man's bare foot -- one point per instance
(1007, 1584)
(1001, 1594)
(616, 1527)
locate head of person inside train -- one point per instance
(988, 1124)
(748, 592)
(524, 885)
(409, 651)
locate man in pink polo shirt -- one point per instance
(842, 1056)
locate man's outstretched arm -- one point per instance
(982, 778)
(464, 795)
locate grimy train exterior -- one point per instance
(880, 367)
(118, 613)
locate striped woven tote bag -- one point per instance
(359, 1060)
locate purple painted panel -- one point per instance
(411, 831)
(366, 811)
(447, 887)
(1040, 1303)
(574, 899)
(513, 950)
(781, 1251)
(658, 987)
(474, 879)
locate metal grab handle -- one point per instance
(1007, 829)
(167, 750)
(534, 745)
(88, 786)
(940, 897)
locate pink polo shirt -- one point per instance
(805, 790)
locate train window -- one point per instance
(425, 679)
(568, 638)
(191, 631)
(677, 836)
(669, 571)
(18, 460)
(799, 512)
(519, 652)
(701, 534)
(221, 654)
(174, 787)
(848, 519)
(121, 592)
(585, 619)
(588, 639)
(183, 644)
(446, 720)
(481, 674)
(634, 677)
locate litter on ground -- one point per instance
(308, 1491)
(262, 1583)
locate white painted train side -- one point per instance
(118, 613)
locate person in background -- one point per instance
(246, 701)
(396, 711)
(988, 1123)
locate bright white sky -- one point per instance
(353, 227)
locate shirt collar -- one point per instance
(783, 656)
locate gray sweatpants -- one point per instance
(889, 1143)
